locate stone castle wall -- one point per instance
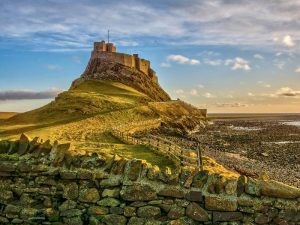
(107, 51)
(38, 189)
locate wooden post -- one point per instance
(199, 155)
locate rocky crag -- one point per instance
(106, 64)
(41, 185)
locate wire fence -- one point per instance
(184, 156)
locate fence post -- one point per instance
(199, 154)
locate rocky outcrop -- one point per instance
(101, 69)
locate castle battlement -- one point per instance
(107, 51)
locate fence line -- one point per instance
(186, 157)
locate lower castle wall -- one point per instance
(120, 192)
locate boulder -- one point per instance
(194, 196)
(276, 189)
(227, 216)
(138, 193)
(114, 219)
(109, 202)
(89, 195)
(195, 212)
(220, 203)
(58, 153)
(136, 221)
(44, 148)
(98, 210)
(134, 170)
(71, 191)
(113, 193)
(23, 144)
(171, 191)
(148, 211)
(34, 144)
(176, 212)
(66, 205)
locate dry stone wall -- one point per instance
(118, 191)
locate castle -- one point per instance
(107, 51)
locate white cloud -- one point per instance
(182, 60)
(201, 86)
(287, 92)
(297, 70)
(216, 62)
(267, 85)
(208, 95)
(231, 105)
(194, 92)
(263, 84)
(258, 56)
(250, 94)
(288, 41)
(166, 65)
(238, 63)
(60, 24)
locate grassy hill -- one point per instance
(86, 114)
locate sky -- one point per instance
(224, 55)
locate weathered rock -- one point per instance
(98, 210)
(44, 148)
(4, 146)
(66, 205)
(110, 202)
(28, 213)
(58, 152)
(262, 219)
(3, 220)
(6, 196)
(129, 211)
(231, 187)
(241, 182)
(71, 213)
(152, 222)
(200, 179)
(252, 187)
(110, 182)
(12, 210)
(138, 193)
(182, 221)
(73, 221)
(227, 216)
(176, 212)
(148, 211)
(195, 212)
(116, 210)
(34, 144)
(194, 196)
(71, 191)
(23, 144)
(114, 219)
(279, 190)
(220, 203)
(68, 175)
(134, 170)
(113, 193)
(171, 191)
(136, 221)
(90, 195)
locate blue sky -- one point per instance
(224, 55)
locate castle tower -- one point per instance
(104, 47)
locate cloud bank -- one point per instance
(28, 94)
(69, 25)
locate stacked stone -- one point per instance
(121, 191)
